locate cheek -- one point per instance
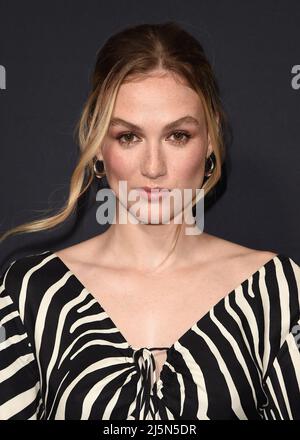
(190, 169)
(118, 166)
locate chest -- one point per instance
(154, 311)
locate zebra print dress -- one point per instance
(62, 357)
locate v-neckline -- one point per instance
(133, 349)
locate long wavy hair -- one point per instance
(130, 53)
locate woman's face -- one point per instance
(143, 149)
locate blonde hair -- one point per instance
(132, 52)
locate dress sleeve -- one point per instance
(20, 396)
(281, 383)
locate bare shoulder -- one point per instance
(239, 258)
(84, 253)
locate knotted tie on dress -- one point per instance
(144, 359)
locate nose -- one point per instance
(153, 162)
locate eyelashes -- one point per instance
(185, 136)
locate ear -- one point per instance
(99, 155)
(209, 146)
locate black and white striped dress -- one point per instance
(62, 357)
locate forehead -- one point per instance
(157, 95)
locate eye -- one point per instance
(125, 138)
(181, 137)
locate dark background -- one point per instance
(48, 50)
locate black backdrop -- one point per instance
(47, 50)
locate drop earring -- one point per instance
(99, 174)
(209, 167)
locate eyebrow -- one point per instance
(188, 119)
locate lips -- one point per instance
(154, 189)
(153, 194)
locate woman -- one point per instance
(147, 321)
